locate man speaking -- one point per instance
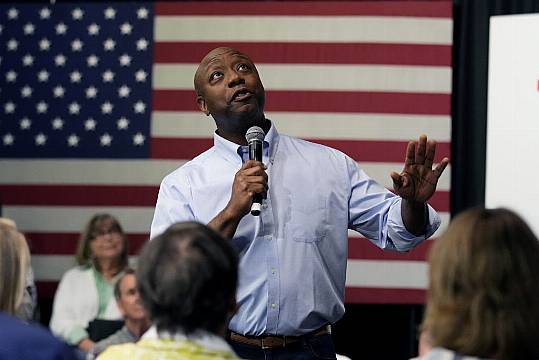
(294, 252)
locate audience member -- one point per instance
(483, 298)
(130, 305)
(187, 280)
(27, 309)
(84, 309)
(19, 340)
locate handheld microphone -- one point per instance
(255, 137)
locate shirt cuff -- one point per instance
(401, 238)
(76, 335)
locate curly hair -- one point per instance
(483, 297)
(187, 279)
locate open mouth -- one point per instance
(242, 95)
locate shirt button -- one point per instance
(268, 237)
(273, 271)
(273, 306)
(264, 206)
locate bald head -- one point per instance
(211, 57)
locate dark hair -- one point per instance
(83, 255)
(187, 278)
(117, 286)
(483, 297)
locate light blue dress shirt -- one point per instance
(293, 256)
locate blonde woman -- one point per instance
(84, 307)
(483, 298)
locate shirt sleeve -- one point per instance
(173, 204)
(375, 212)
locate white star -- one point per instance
(108, 76)
(142, 44)
(75, 76)
(139, 107)
(29, 29)
(42, 107)
(109, 44)
(26, 91)
(122, 123)
(43, 76)
(11, 76)
(44, 44)
(58, 91)
(12, 13)
(110, 13)
(12, 45)
(45, 13)
(60, 60)
(124, 91)
(9, 107)
(77, 14)
(28, 60)
(92, 60)
(138, 139)
(106, 107)
(25, 123)
(76, 45)
(57, 123)
(142, 13)
(93, 29)
(89, 124)
(105, 140)
(74, 108)
(140, 75)
(41, 139)
(73, 140)
(91, 92)
(8, 139)
(126, 28)
(61, 28)
(125, 60)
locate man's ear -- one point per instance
(201, 102)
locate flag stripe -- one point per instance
(364, 295)
(324, 101)
(139, 172)
(383, 151)
(333, 8)
(313, 77)
(89, 195)
(386, 274)
(361, 248)
(337, 29)
(311, 53)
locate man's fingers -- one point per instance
(410, 154)
(397, 179)
(253, 163)
(429, 155)
(441, 167)
(421, 149)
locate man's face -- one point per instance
(129, 302)
(230, 90)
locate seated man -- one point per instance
(130, 305)
(187, 281)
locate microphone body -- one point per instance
(255, 137)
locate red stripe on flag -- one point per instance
(66, 243)
(435, 9)
(357, 295)
(363, 249)
(324, 101)
(88, 195)
(46, 289)
(361, 150)
(311, 53)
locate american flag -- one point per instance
(97, 105)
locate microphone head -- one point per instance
(255, 133)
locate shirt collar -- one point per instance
(232, 152)
(201, 337)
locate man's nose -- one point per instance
(235, 79)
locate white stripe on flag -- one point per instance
(334, 29)
(389, 78)
(387, 274)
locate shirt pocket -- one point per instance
(309, 219)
